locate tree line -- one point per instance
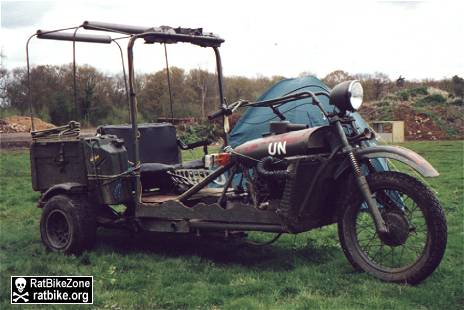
(102, 99)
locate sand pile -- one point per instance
(15, 123)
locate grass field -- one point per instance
(307, 271)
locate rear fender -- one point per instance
(404, 155)
(64, 188)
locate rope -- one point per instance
(113, 176)
(71, 130)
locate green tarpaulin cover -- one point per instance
(255, 121)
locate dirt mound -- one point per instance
(15, 123)
(428, 113)
(418, 126)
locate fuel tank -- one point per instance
(302, 142)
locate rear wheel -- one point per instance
(417, 236)
(68, 224)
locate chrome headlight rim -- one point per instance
(355, 88)
(347, 96)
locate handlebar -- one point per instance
(193, 145)
(198, 143)
(216, 114)
(281, 100)
(272, 103)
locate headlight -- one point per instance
(347, 96)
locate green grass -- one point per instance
(307, 271)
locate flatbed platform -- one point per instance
(160, 198)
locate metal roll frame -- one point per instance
(151, 35)
(74, 37)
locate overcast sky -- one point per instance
(414, 39)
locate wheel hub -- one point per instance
(58, 229)
(398, 229)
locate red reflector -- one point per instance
(222, 159)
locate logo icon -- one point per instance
(20, 284)
(51, 290)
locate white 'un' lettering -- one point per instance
(277, 148)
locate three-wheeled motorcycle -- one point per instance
(291, 180)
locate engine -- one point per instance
(269, 179)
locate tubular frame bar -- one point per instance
(169, 81)
(236, 226)
(133, 117)
(29, 93)
(89, 38)
(222, 102)
(76, 106)
(123, 68)
(203, 183)
(101, 26)
(133, 112)
(41, 34)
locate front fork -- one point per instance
(361, 182)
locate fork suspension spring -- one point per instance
(354, 164)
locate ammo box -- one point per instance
(55, 162)
(99, 163)
(157, 142)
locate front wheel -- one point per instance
(417, 236)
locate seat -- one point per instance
(155, 175)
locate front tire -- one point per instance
(68, 224)
(417, 240)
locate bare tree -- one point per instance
(201, 83)
(335, 77)
(3, 81)
(380, 82)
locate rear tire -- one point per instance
(68, 224)
(399, 196)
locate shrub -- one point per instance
(190, 133)
(418, 91)
(383, 103)
(412, 92)
(403, 95)
(431, 100)
(385, 113)
(457, 101)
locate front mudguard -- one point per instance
(404, 155)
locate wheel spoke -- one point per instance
(393, 256)
(404, 215)
(369, 243)
(416, 250)
(379, 251)
(401, 254)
